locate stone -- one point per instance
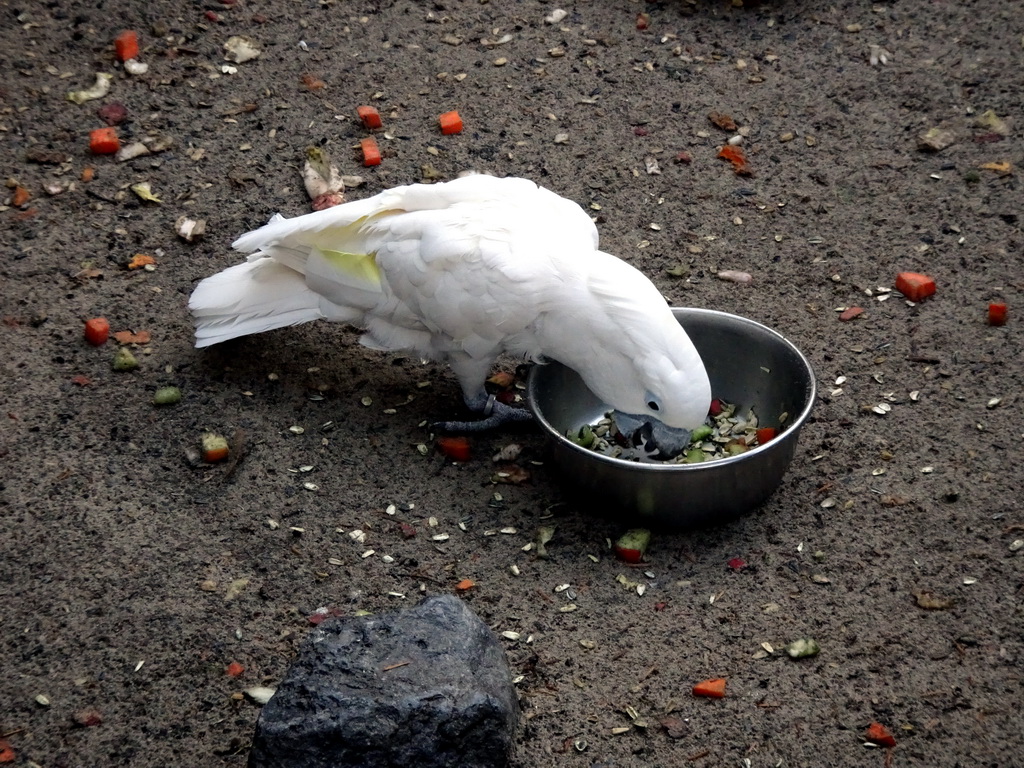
(427, 686)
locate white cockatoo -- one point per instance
(464, 271)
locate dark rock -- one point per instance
(423, 687)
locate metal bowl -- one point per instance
(749, 365)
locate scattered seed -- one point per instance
(588, 644)
(735, 276)
(970, 580)
(568, 608)
(260, 694)
(510, 635)
(931, 602)
(296, 430)
(1016, 545)
(440, 537)
(311, 486)
(515, 569)
(367, 553)
(508, 530)
(828, 503)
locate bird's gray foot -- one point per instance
(495, 414)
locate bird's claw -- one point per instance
(496, 414)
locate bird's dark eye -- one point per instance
(652, 405)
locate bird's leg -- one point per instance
(495, 414)
(472, 373)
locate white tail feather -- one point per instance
(254, 297)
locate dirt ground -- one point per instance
(130, 577)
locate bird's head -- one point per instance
(633, 354)
(655, 381)
(672, 386)
(669, 399)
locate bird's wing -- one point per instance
(471, 261)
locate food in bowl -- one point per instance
(725, 433)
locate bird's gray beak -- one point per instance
(657, 439)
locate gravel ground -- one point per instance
(130, 578)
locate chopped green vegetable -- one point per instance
(167, 396)
(736, 447)
(803, 648)
(632, 545)
(702, 433)
(584, 437)
(124, 360)
(694, 456)
(215, 448)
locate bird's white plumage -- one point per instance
(463, 271)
